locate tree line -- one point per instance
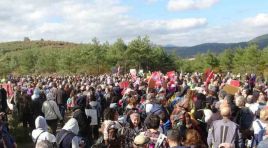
(140, 53)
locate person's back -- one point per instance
(67, 136)
(3, 99)
(224, 131)
(44, 144)
(41, 133)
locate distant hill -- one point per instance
(22, 45)
(262, 41)
(186, 52)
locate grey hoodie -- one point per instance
(51, 109)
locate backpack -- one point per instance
(61, 141)
(259, 137)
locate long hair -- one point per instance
(193, 138)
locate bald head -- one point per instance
(225, 111)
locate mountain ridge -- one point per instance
(191, 51)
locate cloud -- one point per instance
(260, 20)
(81, 20)
(179, 5)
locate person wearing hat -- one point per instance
(141, 141)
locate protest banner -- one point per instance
(231, 89)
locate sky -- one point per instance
(166, 22)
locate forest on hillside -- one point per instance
(46, 57)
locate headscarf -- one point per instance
(40, 122)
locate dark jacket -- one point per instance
(3, 99)
(61, 97)
(83, 121)
(128, 134)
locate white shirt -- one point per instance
(253, 107)
(256, 126)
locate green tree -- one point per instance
(211, 60)
(226, 60)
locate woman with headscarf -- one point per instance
(67, 137)
(41, 131)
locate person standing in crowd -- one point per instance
(61, 99)
(6, 140)
(174, 139)
(36, 103)
(157, 139)
(68, 136)
(110, 115)
(3, 99)
(41, 131)
(224, 131)
(259, 127)
(51, 112)
(244, 118)
(131, 130)
(93, 104)
(26, 113)
(83, 120)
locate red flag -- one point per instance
(123, 84)
(170, 74)
(235, 83)
(8, 89)
(209, 77)
(154, 80)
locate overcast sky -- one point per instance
(176, 22)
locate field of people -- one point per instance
(135, 110)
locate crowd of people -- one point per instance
(177, 110)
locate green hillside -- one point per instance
(48, 57)
(22, 45)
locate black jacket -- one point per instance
(83, 121)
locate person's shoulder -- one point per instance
(48, 136)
